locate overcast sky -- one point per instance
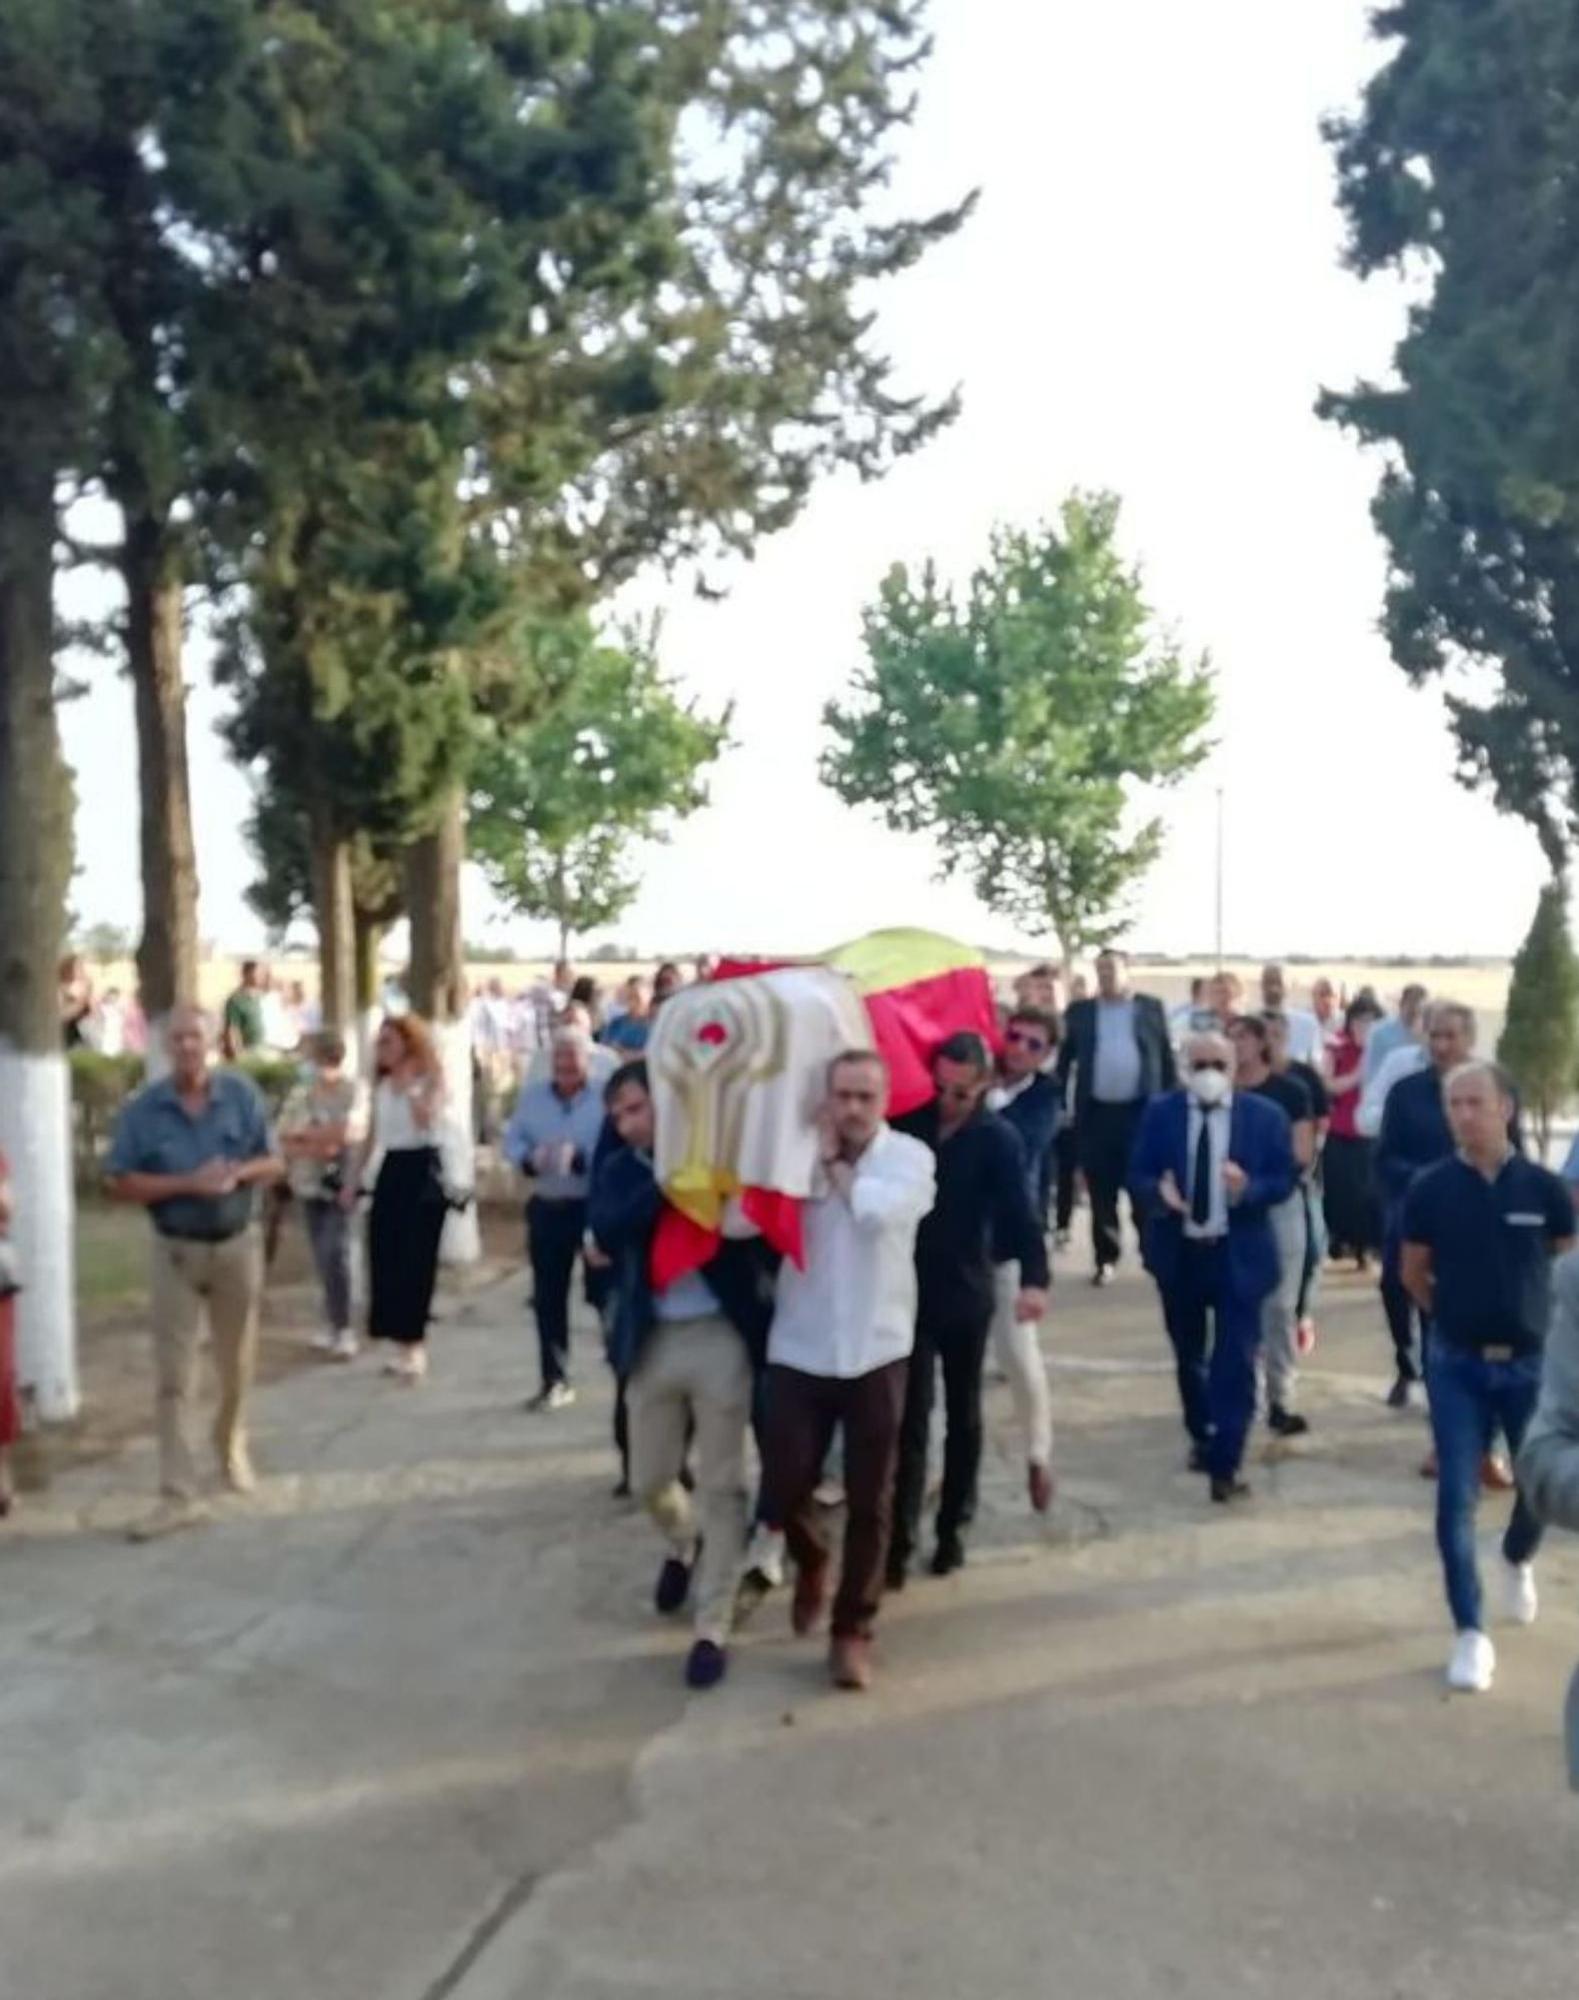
(1148, 298)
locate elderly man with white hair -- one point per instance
(552, 1138)
(193, 1149)
(1210, 1164)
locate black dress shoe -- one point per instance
(1398, 1394)
(1285, 1423)
(674, 1583)
(1226, 1491)
(1199, 1460)
(896, 1570)
(948, 1556)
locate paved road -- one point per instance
(402, 1729)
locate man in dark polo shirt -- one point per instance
(192, 1149)
(1479, 1232)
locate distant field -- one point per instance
(1482, 985)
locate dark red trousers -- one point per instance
(802, 1411)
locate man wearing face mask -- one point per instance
(1209, 1166)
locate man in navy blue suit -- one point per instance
(1208, 1165)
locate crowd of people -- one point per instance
(1253, 1144)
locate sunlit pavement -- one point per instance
(405, 1726)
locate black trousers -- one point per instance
(403, 1235)
(1401, 1312)
(554, 1230)
(959, 1340)
(1107, 1138)
(1066, 1157)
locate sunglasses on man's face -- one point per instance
(1036, 1043)
(1221, 1067)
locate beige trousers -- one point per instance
(695, 1372)
(1018, 1349)
(191, 1282)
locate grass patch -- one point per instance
(112, 1254)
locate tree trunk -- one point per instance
(332, 907)
(167, 958)
(437, 984)
(437, 988)
(35, 871)
(369, 987)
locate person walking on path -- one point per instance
(1118, 1047)
(193, 1149)
(1403, 1030)
(982, 1213)
(1210, 1164)
(839, 1356)
(1027, 1098)
(1548, 1463)
(1479, 1232)
(688, 1356)
(1253, 1072)
(552, 1138)
(10, 1285)
(1414, 1134)
(1349, 1194)
(323, 1122)
(409, 1203)
(1310, 1076)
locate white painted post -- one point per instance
(35, 1135)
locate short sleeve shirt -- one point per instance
(156, 1134)
(1491, 1244)
(244, 1018)
(1315, 1089)
(1288, 1094)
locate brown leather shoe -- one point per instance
(850, 1664)
(1428, 1466)
(1039, 1481)
(811, 1595)
(1495, 1475)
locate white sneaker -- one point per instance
(323, 1341)
(766, 1556)
(346, 1346)
(1473, 1664)
(1520, 1601)
(408, 1363)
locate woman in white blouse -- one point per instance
(408, 1198)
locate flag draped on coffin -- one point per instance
(739, 1068)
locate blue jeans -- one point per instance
(1470, 1397)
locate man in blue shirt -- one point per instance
(1480, 1230)
(1406, 1026)
(552, 1137)
(192, 1149)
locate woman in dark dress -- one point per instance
(409, 1206)
(1354, 1225)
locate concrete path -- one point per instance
(404, 1728)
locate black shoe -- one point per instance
(948, 1556)
(1225, 1491)
(1398, 1394)
(1200, 1460)
(623, 1490)
(897, 1569)
(1286, 1423)
(674, 1583)
(706, 1665)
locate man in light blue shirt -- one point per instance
(1405, 1027)
(552, 1138)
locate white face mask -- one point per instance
(1209, 1086)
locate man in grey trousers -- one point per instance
(1548, 1467)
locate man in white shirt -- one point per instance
(1305, 1038)
(839, 1353)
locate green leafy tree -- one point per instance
(1540, 1039)
(655, 236)
(558, 809)
(1015, 720)
(1459, 167)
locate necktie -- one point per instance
(1201, 1185)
